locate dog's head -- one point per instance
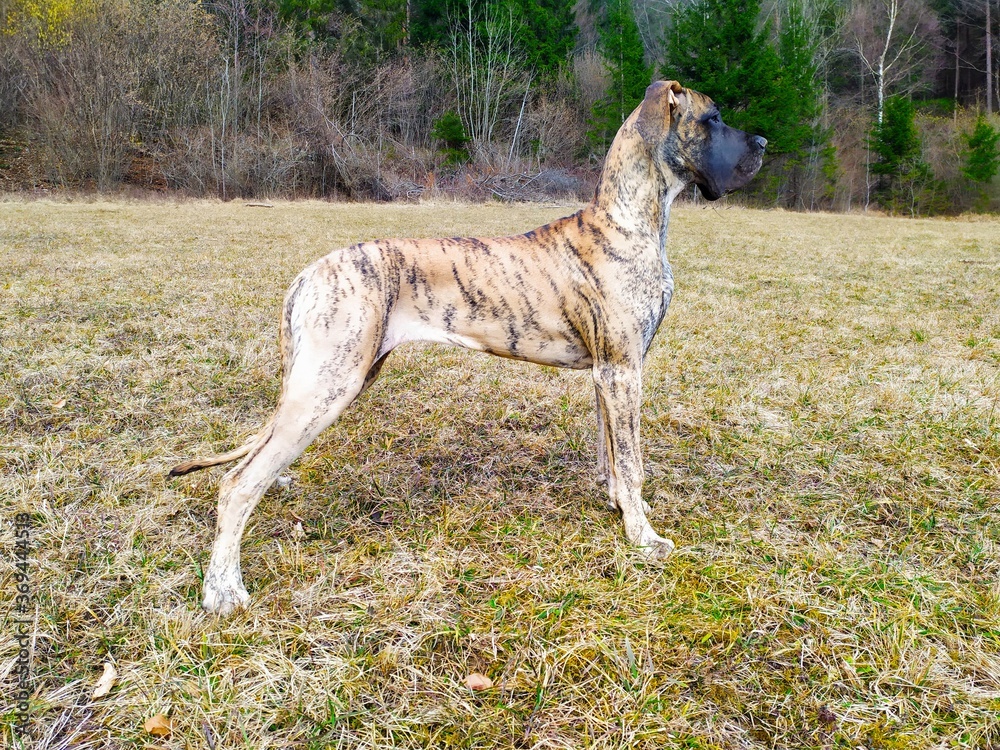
(687, 136)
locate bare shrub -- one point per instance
(82, 104)
(853, 158)
(339, 118)
(591, 77)
(489, 77)
(365, 128)
(12, 79)
(126, 76)
(188, 163)
(271, 162)
(555, 131)
(218, 100)
(415, 94)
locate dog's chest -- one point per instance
(658, 307)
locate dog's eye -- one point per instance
(715, 119)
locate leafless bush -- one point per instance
(12, 75)
(338, 115)
(850, 137)
(127, 75)
(271, 162)
(591, 77)
(83, 103)
(488, 76)
(219, 102)
(555, 131)
(415, 93)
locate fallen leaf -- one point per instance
(59, 404)
(107, 681)
(158, 725)
(476, 681)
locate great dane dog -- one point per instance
(587, 291)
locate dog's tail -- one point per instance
(287, 343)
(203, 463)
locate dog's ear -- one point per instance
(654, 115)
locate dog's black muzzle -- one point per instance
(731, 159)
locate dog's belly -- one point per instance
(490, 336)
(504, 296)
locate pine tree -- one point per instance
(624, 59)
(798, 88)
(982, 160)
(714, 46)
(905, 180)
(449, 130)
(764, 83)
(313, 19)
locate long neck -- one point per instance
(632, 192)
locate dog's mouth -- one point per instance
(732, 168)
(707, 192)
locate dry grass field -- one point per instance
(821, 440)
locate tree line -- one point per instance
(883, 103)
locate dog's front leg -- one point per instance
(619, 396)
(602, 449)
(603, 472)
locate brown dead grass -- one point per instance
(821, 440)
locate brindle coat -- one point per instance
(587, 291)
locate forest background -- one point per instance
(865, 103)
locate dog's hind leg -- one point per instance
(296, 423)
(373, 372)
(324, 375)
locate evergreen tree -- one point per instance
(367, 30)
(798, 90)
(550, 32)
(316, 19)
(905, 181)
(764, 83)
(982, 160)
(714, 46)
(797, 95)
(624, 59)
(449, 130)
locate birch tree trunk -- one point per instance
(989, 60)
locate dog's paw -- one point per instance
(655, 547)
(223, 600)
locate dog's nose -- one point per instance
(760, 142)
